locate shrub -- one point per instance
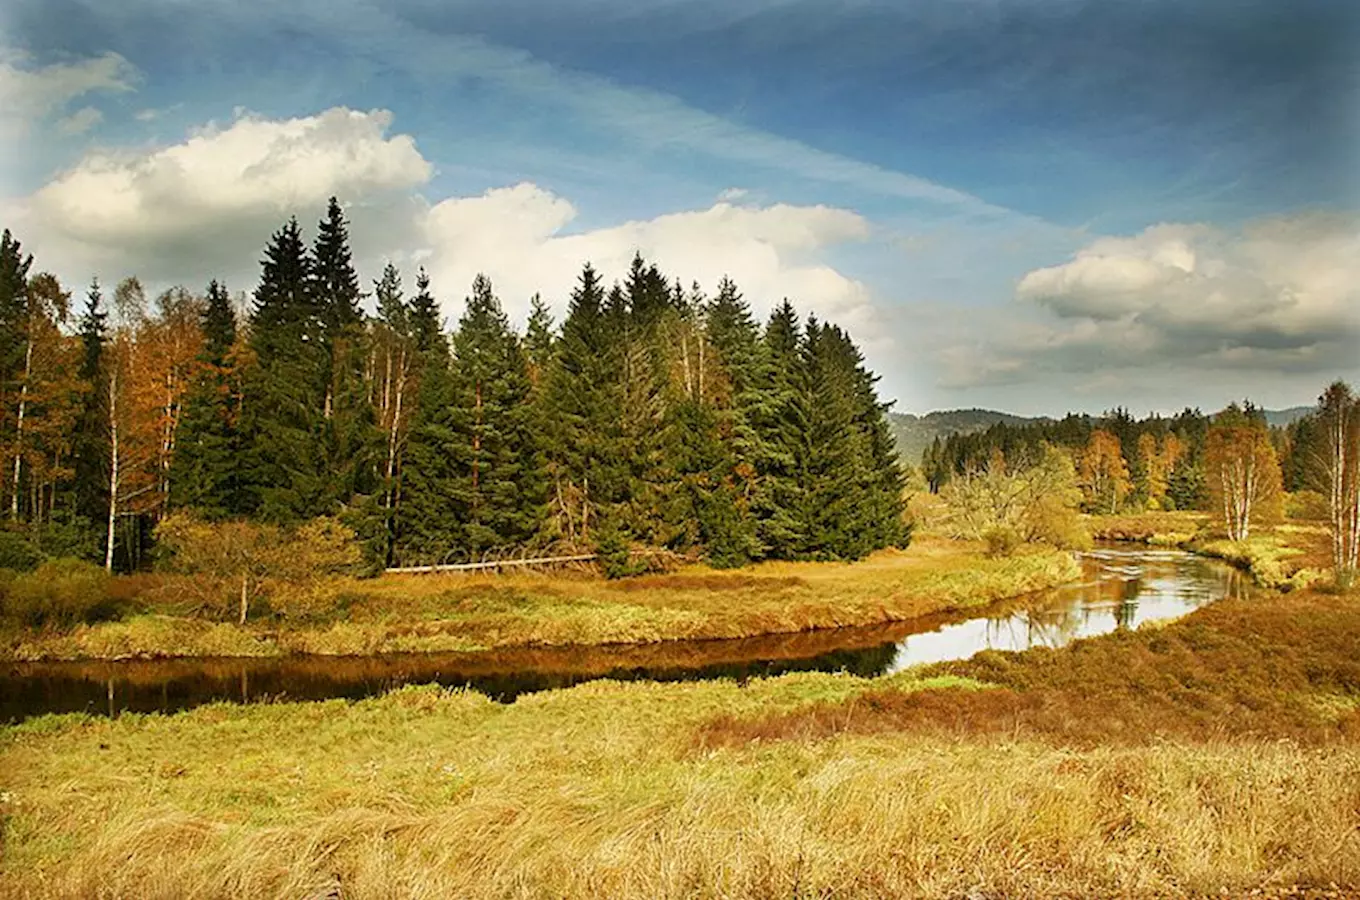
(1002, 540)
(60, 593)
(17, 552)
(244, 557)
(1307, 505)
(612, 549)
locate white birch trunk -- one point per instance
(113, 469)
(19, 427)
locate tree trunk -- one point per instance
(113, 470)
(245, 598)
(19, 427)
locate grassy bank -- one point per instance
(468, 612)
(1220, 752)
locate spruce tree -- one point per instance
(207, 450)
(500, 485)
(425, 529)
(584, 397)
(285, 456)
(14, 266)
(15, 349)
(90, 443)
(349, 435)
(781, 422)
(427, 329)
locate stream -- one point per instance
(1121, 588)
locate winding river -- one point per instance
(1121, 587)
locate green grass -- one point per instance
(469, 612)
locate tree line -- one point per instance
(654, 415)
(1232, 464)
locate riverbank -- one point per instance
(1288, 556)
(467, 613)
(1216, 753)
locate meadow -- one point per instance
(1217, 753)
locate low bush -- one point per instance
(60, 593)
(1001, 540)
(17, 552)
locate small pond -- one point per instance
(1121, 587)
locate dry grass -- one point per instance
(467, 612)
(1217, 753)
(1258, 670)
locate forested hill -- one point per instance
(914, 434)
(1283, 418)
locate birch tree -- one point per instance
(1243, 471)
(1339, 415)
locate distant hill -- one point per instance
(914, 434)
(1283, 417)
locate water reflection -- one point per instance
(1120, 589)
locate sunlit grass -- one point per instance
(924, 783)
(465, 612)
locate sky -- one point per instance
(1029, 205)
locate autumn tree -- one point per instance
(247, 554)
(1338, 476)
(1242, 471)
(1103, 473)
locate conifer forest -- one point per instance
(655, 414)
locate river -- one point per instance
(1121, 587)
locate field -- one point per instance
(1217, 754)
(415, 613)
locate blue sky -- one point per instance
(1035, 205)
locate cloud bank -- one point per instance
(1281, 294)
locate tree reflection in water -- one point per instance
(1121, 589)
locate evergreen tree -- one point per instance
(15, 351)
(539, 341)
(781, 421)
(282, 426)
(584, 399)
(500, 490)
(14, 266)
(90, 444)
(426, 326)
(207, 450)
(349, 436)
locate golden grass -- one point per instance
(1217, 753)
(467, 612)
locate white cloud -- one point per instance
(1281, 295)
(205, 207)
(516, 236)
(215, 197)
(29, 95)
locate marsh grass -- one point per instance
(607, 789)
(463, 612)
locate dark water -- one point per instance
(1120, 588)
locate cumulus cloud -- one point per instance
(214, 197)
(30, 94)
(205, 207)
(518, 237)
(1281, 295)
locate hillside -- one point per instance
(915, 433)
